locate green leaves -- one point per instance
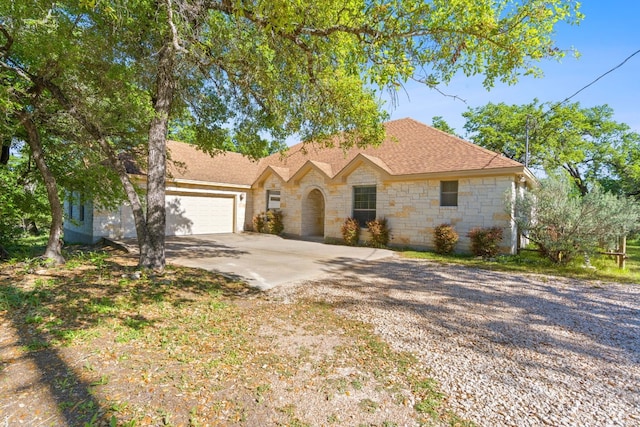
(22, 197)
(584, 142)
(563, 224)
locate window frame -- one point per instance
(364, 214)
(270, 194)
(446, 194)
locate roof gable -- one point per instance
(281, 173)
(410, 148)
(358, 161)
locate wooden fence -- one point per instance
(620, 253)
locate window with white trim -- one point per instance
(273, 199)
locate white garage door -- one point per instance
(199, 215)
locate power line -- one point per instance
(556, 105)
(599, 77)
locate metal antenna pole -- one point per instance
(526, 146)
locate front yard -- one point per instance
(391, 343)
(96, 343)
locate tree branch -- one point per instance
(174, 32)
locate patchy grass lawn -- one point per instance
(26, 247)
(96, 343)
(605, 267)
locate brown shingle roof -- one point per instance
(410, 148)
(187, 162)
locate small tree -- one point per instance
(561, 223)
(445, 238)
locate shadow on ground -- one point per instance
(41, 309)
(600, 314)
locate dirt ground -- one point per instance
(96, 343)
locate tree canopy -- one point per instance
(250, 74)
(586, 143)
(439, 122)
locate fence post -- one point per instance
(622, 250)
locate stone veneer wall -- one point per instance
(412, 208)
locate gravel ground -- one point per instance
(508, 349)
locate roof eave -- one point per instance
(471, 173)
(143, 179)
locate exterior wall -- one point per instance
(259, 202)
(119, 223)
(412, 208)
(75, 229)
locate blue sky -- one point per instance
(609, 33)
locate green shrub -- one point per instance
(259, 222)
(274, 224)
(445, 238)
(563, 224)
(485, 242)
(379, 233)
(351, 231)
(270, 222)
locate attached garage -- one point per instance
(204, 195)
(190, 214)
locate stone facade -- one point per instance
(410, 205)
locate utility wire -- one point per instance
(594, 81)
(571, 96)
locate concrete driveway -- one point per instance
(264, 260)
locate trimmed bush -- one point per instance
(274, 224)
(270, 222)
(379, 233)
(445, 239)
(351, 231)
(259, 223)
(485, 242)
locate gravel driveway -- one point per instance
(508, 349)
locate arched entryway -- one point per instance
(313, 214)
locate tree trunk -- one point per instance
(114, 160)
(150, 230)
(53, 251)
(5, 154)
(577, 178)
(152, 251)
